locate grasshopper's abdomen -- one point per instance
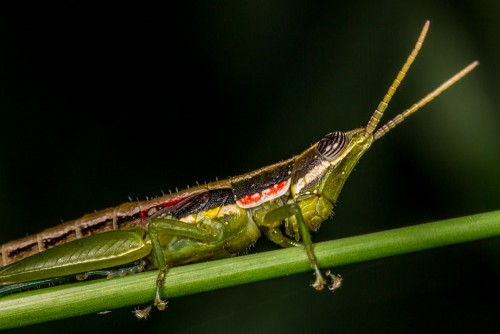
(126, 215)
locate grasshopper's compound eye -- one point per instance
(331, 144)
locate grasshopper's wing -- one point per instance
(95, 252)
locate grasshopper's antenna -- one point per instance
(379, 112)
(429, 97)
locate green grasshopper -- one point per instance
(285, 202)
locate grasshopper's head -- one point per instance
(342, 151)
(321, 171)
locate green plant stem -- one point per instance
(71, 300)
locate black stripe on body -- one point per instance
(195, 203)
(204, 201)
(262, 179)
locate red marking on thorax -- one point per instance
(249, 199)
(264, 195)
(172, 202)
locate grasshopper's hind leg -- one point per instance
(135, 267)
(173, 227)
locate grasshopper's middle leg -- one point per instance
(178, 228)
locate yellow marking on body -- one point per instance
(219, 211)
(211, 213)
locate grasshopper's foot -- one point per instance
(336, 281)
(161, 304)
(142, 314)
(319, 283)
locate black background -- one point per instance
(100, 101)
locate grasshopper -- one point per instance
(285, 202)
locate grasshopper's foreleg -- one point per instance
(172, 227)
(272, 219)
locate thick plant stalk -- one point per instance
(72, 300)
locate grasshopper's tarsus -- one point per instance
(319, 283)
(142, 314)
(159, 302)
(336, 281)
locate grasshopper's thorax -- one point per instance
(321, 171)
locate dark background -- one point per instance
(102, 101)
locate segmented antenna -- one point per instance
(429, 97)
(379, 112)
